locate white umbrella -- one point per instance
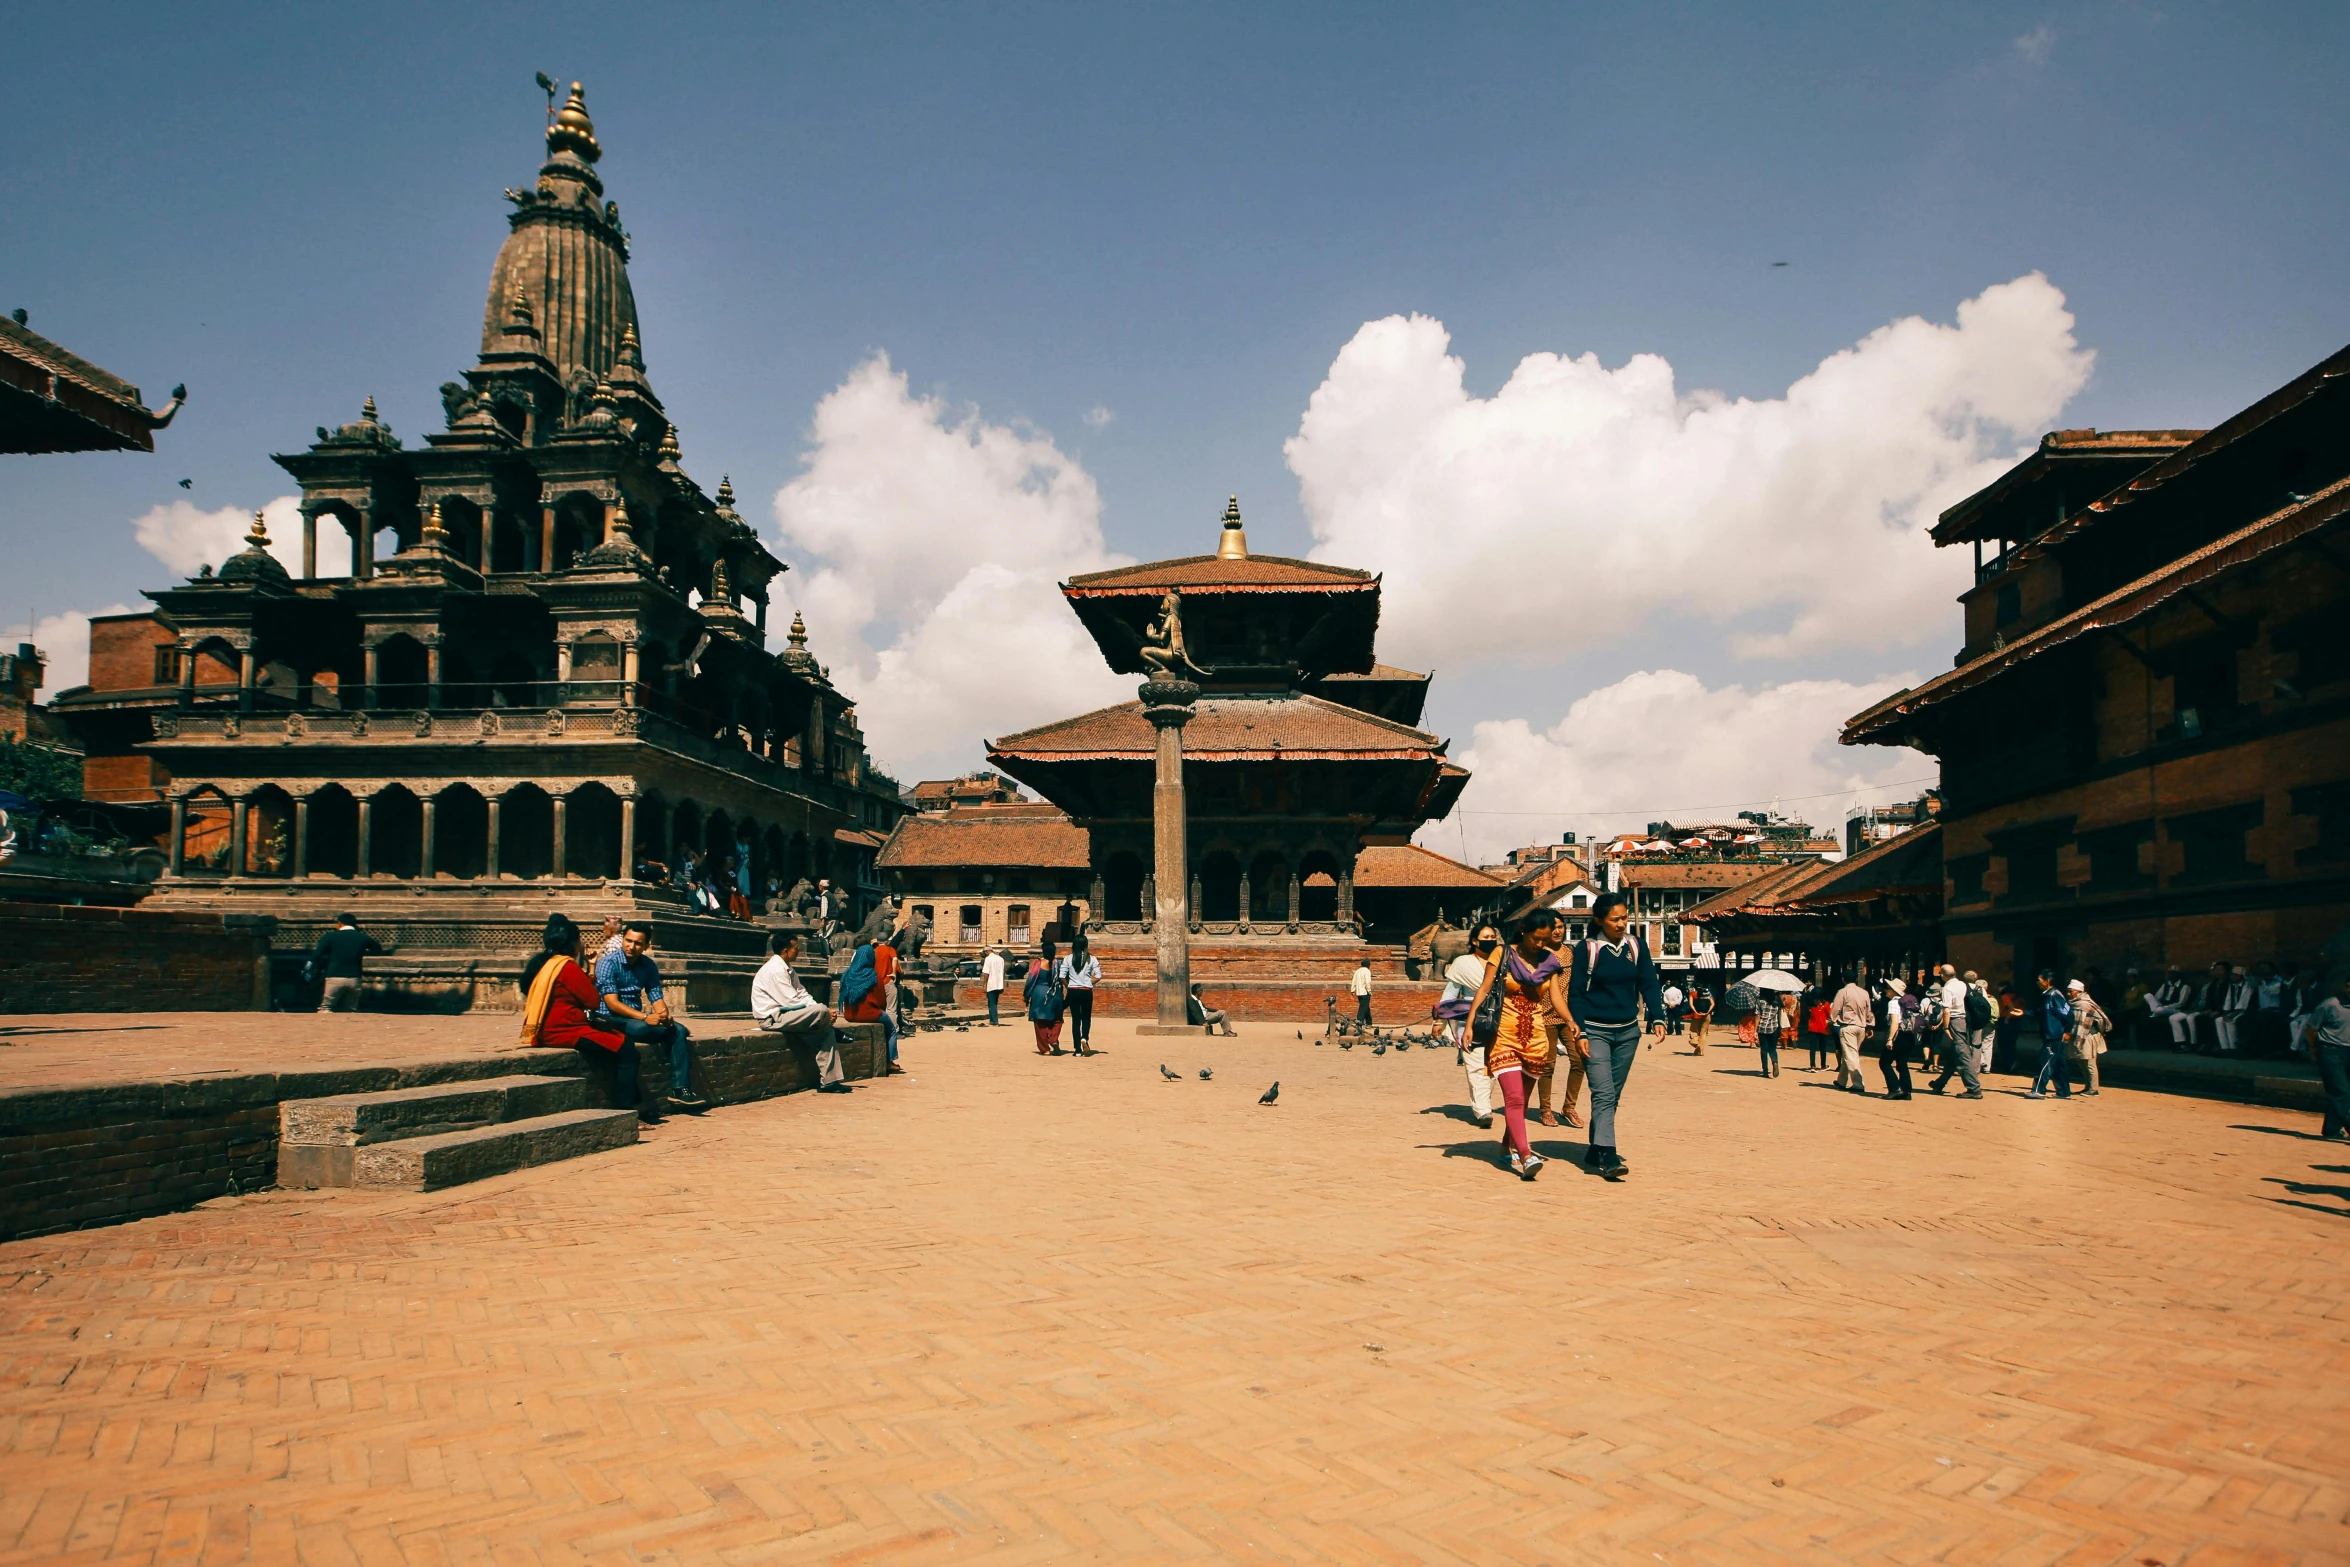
(1772, 979)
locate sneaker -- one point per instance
(1531, 1167)
(1485, 1122)
(1517, 1165)
(1972, 1093)
(2035, 1094)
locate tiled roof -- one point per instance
(1911, 862)
(857, 837)
(1226, 729)
(1384, 673)
(57, 401)
(1740, 897)
(1667, 874)
(2123, 605)
(1000, 840)
(1213, 573)
(2070, 457)
(1409, 865)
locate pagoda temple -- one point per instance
(543, 684)
(1299, 752)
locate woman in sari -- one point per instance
(1521, 1046)
(557, 998)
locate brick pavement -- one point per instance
(1030, 1309)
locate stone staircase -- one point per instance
(444, 1134)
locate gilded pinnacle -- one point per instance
(258, 535)
(1234, 543)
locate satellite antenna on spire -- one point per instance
(547, 86)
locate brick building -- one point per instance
(991, 875)
(2145, 744)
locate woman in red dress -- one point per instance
(558, 996)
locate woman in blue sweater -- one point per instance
(1614, 977)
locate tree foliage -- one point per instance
(40, 772)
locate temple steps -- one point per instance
(444, 1134)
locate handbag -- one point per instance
(1485, 1022)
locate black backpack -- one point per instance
(1978, 1009)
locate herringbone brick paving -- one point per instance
(1030, 1309)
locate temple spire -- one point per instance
(1234, 543)
(572, 130)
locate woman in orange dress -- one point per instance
(558, 996)
(1521, 1046)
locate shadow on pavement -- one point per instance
(2281, 1131)
(1454, 1112)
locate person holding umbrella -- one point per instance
(1771, 988)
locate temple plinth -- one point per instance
(1168, 704)
(1226, 808)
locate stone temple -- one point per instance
(1300, 753)
(542, 683)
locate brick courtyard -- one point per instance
(1032, 1309)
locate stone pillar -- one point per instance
(430, 806)
(236, 836)
(301, 836)
(367, 677)
(628, 837)
(432, 674)
(1168, 706)
(363, 547)
(1195, 900)
(245, 671)
(489, 867)
(487, 526)
(611, 510)
(1297, 901)
(366, 865)
(562, 675)
(562, 810)
(187, 676)
(309, 545)
(546, 538)
(1244, 901)
(179, 834)
(1346, 895)
(628, 674)
(1150, 901)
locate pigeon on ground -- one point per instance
(1301, 1033)
(1346, 1044)
(1380, 1048)
(1269, 1095)
(1172, 1077)
(1205, 1074)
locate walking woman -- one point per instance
(1080, 971)
(1770, 1021)
(1046, 1001)
(1518, 1045)
(1816, 1033)
(1464, 977)
(557, 998)
(1614, 978)
(2090, 1026)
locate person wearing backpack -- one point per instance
(2056, 1031)
(1614, 978)
(1960, 1003)
(1047, 1001)
(1902, 1018)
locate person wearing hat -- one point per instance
(1901, 1011)
(2090, 1026)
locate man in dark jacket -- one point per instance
(337, 962)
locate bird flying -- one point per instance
(187, 484)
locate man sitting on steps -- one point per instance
(631, 987)
(780, 1002)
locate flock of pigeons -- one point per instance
(1208, 1075)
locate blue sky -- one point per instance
(1171, 220)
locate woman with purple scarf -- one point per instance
(1521, 1044)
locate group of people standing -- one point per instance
(1518, 1009)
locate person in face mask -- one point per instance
(1463, 978)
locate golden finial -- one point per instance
(799, 632)
(573, 131)
(436, 533)
(258, 535)
(671, 455)
(632, 353)
(1234, 544)
(725, 491)
(367, 412)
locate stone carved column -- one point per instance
(1297, 901)
(1168, 706)
(363, 546)
(187, 657)
(628, 829)
(179, 834)
(1150, 901)
(245, 671)
(562, 809)
(236, 836)
(1195, 900)
(301, 836)
(628, 674)
(368, 659)
(1346, 895)
(430, 806)
(309, 545)
(366, 865)
(489, 868)
(432, 674)
(547, 538)
(1244, 901)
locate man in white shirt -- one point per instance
(1958, 1041)
(780, 1002)
(1852, 1015)
(992, 968)
(1361, 986)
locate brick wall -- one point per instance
(62, 958)
(122, 651)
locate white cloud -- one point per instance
(1580, 503)
(187, 539)
(65, 641)
(2036, 45)
(926, 545)
(1661, 744)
